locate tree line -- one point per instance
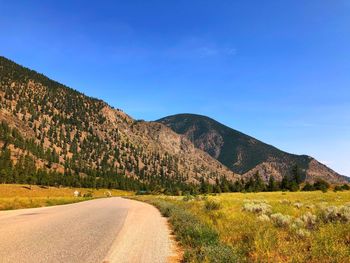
(25, 171)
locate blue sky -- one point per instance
(276, 70)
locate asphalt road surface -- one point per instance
(101, 230)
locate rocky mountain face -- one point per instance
(65, 131)
(243, 154)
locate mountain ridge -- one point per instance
(242, 153)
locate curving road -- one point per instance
(102, 230)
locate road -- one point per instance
(102, 230)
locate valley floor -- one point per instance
(260, 227)
(16, 196)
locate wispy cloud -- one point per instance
(200, 48)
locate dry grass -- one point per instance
(14, 196)
(293, 230)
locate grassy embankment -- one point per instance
(261, 227)
(14, 196)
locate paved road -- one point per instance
(102, 230)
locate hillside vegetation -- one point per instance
(49, 130)
(260, 227)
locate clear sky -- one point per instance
(276, 70)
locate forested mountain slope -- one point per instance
(54, 134)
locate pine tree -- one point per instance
(272, 185)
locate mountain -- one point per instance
(244, 154)
(52, 134)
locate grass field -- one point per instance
(14, 196)
(261, 227)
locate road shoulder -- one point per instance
(147, 234)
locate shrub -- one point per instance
(321, 185)
(298, 205)
(264, 218)
(308, 187)
(261, 208)
(212, 205)
(188, 198)
(310, 206)
(89, 194)
(342, 187)
(219, 253)
(336, 214)
(344, 213)
(108, 194)
(345, 187)
(201, 198)
(255, 201)
(285, 202)
(338, 188)
(309, 220)
(281, 220)
(298, 223)
(143, 192)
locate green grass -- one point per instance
(219, 229)
(15, 196)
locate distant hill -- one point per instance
(244, 154)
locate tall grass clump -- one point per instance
(211, 205)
